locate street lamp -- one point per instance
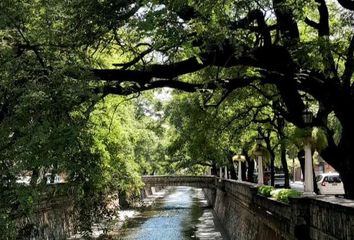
(259, 153)
(238, 158)
(307, 117)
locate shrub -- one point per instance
(265, 190)
(283, 194)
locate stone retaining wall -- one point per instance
(53, 217)
(248, 216)
(50, 221)
(244, 214)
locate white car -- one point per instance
(57, 179)
(330, 183)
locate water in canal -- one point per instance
(181, 215)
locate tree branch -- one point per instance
(323, 33)
(135, 87)
(349, 65)
(323, 26)
(286, 22)
(245, 113)
(187, 13)
(29, 46)
(225, 94)
(311, 23)
(153, 71)
(348, 4)
(280, 61)
(134, 61)
(262, 27)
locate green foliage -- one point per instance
(8, 227)
(100, 154)
(280, 194)
(257, 149)
(315, 136)
(55, 116)
(283, 195)
(207, 133)
(198, 135)
(265, 190)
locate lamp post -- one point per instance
(238, 158)
(259, 153)
(308, 188)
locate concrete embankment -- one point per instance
(248, 216)
(53, 218)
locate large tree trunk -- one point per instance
(250, 162)
(341, 156)
(214, 170)
(347, 176)
(343, 160)
(272, 170)
(315, 188)
(231, 167)
(272, 158)
(281, 126)
(243, 171)
(35, 176)
(346, 160)
(284, 164)
(345, 167)
(250, 170)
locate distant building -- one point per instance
(321, 167)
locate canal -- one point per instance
(183, 213)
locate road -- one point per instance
(297, 185)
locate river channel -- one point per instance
(182, 214)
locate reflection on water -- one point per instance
(182, 214)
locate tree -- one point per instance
(209, 133)
(273, 42)
(54, 117)
(197, 138)
(177, 43)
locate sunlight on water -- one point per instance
(182, 214)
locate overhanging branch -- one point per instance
(262, 28)
(348, 4)
(349, 64)
(153, 71)
(135, 87)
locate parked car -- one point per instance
(279, 180)
(330, 183)
(57, 179)
(25, 180)
(266, 178)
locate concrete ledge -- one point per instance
(248, 216)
